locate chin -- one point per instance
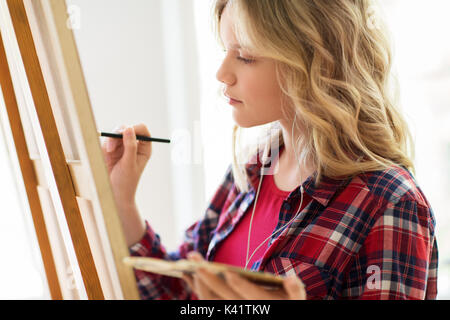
(247, 122)
(244, 123)
(247, 118)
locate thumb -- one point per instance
(294, 288)
(194, 255)
(130, 145)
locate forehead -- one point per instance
(227, 27)
(232, 40)
(227, 30)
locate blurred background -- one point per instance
(154, 62)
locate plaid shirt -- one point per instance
(371, 236)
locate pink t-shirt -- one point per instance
(233, 249)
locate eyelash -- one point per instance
(246, 61)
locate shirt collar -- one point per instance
(322, 193)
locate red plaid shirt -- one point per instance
(371, 236)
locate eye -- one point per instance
(246, 61)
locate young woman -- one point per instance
(341, 215)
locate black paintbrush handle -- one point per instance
(138, 137)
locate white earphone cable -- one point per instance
(247, 259)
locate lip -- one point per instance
(233, 101)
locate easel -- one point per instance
(66, 180)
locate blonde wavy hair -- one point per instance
(334, 67)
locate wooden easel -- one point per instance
(61, 184)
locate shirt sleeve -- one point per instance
(400, 254)
(196, 238)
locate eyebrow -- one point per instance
(238, 46)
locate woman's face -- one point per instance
(249, 79)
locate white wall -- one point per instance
(21, 265)
(422, 62)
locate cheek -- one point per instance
(265, 95)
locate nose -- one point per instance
(225, 74)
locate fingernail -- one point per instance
(129, 131)
(229, 276)
(109, 145)
(201, 270)
(292, 280)
(194, 255)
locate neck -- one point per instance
(290, 156)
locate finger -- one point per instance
(130, 145)
(194, 255)
(247, 289)
(103, 144)
(141, 129)
(202, 290)
(199, 288)
(110, 144)
(190, 281)
(294, 288)
(144, 147)
(218, 286)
